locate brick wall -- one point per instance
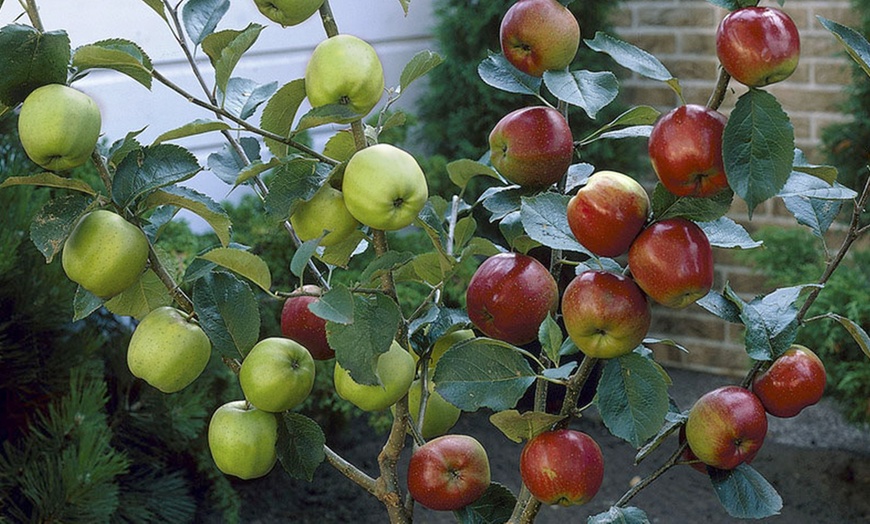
(681, 34)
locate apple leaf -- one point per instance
(502, 201)
(255, 169)
(493, 507)
(202, 16)
(150, 168)
(405, 5)
(562, 372)
(497, 72)
(591, 91)
(802, 165)
(228, 313)
(728, 234)
(48, 179)
(119, 55)
(758, 147)
(243, 263)
(300, 445)
(336, 305)
(158, 7)
(511, 228)
(197, 127)
(722, 307)
(340, 146)
(225, 49)
(244, 96)
(84, 303)
(279, 113)
(673, 421)
(197, 203)
(667, 205)
(303, 254)
(518, 426)
(147, 294)
(389, 261)
(636, 121)
(813, 202)
(632, 397)
(463, 170)
(30, 59)
(53, 223)
(545, 220)
(418, 66)
(292, 182)
(804, 185)
(551, 338)
(616, 515)
(854, 329)
(483, 372)
(744, 493)
(327, 114)
(730, 5)
(122, 147)
(358, 345)
(578, 174)
(227, 164)
(629, 56)
(854, 42)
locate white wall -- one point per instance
(280, 55)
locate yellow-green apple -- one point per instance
(277, 374)
(726, 427)
(795, 380)
(300, 324)
(168, 350)
(444, 343)
(608, 212)
(242, 440)
(384, 187)
(449, 472)
(346, 70)
(758, 45)
(539, 35)
(324, 212)
(104, 253)
(606, 315)
(288, 12)
(440, 416)
(395, 372)
(59, 127)
(672, 262)
(685, 149)
(562, 466)
(688, 456)
(532, 146)
(509, 296)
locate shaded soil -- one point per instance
(818, 464)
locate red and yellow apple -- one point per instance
(539, 35)
(300, 324)
(449, 472)
(758, 45)
(563, 467)
(794, 381)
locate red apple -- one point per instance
(795, 380)
(539, 35)
(672, 262)
(448, 473)
(509, 296)
(532, 146)
(758, 45)
(608, 212)
(563, 467)
(300, 324)
(726, 427)
(685, 148)
(606, 315)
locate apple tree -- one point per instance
(562, 295)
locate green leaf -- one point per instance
(244, 96)
(493, 507)
(279, 113)
(197, 203)
(225, 49)
(632, 397)
(511, 228)
(302, 255)
(615, 515)
(358, 345)
(629, 56)
(292, 182)
(122, 147)
(463, 170)
(728, 234)
(84, 303)
(638, 119)
(227, 163)
(551, 338)
(340, 146)
(667, 205)
(813, 202)
(119, 55)
(744, 493)
(497, 72)
(228, 313)
(518, 426)
(854, 42)
(483, 372)
(591, 91)
(327, 114)
(202, 16)
(389, 261)
(157, 6)
(300, 445)
(336, 305)
(716, 303)
(802, 165)
(147, 294)
(578, 174)
(673, 421)
(255, 169)
(243, 263)
(197, 127)
(502, 201)
(545, 220)
(151, 168)
(50, 180)
(53, 223)
(30, 59)
(854, 329)
(758, 147)
(423, 62)
(339, 255)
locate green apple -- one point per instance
(277, 374)
(59, 127)
(324, 212)
(344, 70)
(440, 415)
(444, 343)
(395, 371)
(167, 350)
(104, 253)
(288, 12)
(384, 187)
(242, 440)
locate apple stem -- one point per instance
(718, 94)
